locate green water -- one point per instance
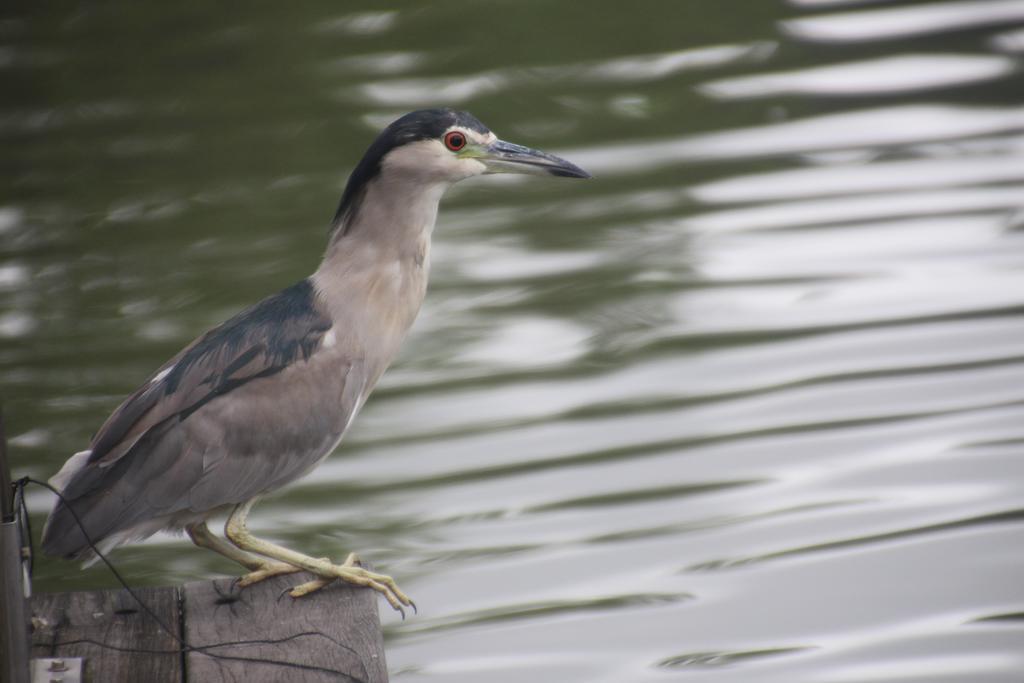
(748, 406)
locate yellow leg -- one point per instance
(237, 532)
(258, 567)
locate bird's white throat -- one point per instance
(374, 274)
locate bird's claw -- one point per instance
(352, 572)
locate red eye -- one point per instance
(454, 140)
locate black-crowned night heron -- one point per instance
(262, 399)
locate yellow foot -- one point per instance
(351, 572)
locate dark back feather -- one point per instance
(143, 463)
(258, 342)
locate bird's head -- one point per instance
(451, 145)
(438, 147)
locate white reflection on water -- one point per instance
(887, 297)
(947, 667)
(631, 69)
(883, 126)
(860, 249)
(534, 343)
(491, 262)
(11, 218)
(664, 379)
(640, 68)
(851, 179)
(16, 324)
(905, 73)
(858, 208)
(359, 23)
(825, 4)
(13, 275)
(900, 22)
(377, 64)
(1009, 41)
(422, 92)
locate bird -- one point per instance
(262, 399)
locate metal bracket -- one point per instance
(57, 670)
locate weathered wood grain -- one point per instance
(252, 636)
(119, 641)
(332, 635)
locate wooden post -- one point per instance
(253, 635)
(117, 639)
(14, 627)
(333, 634)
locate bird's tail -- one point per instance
(74, 528)
(63, 535)
(105, 504)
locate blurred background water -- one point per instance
(749, 406)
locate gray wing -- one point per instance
(247, 407)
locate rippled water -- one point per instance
(749, 406)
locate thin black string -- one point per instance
(238, 658)
(185, 647)
(227, 643)
(24, 523)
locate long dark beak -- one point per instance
(506, 157)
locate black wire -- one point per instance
(197, 648)
(185, 647)
(237, 658)
(24, 525)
